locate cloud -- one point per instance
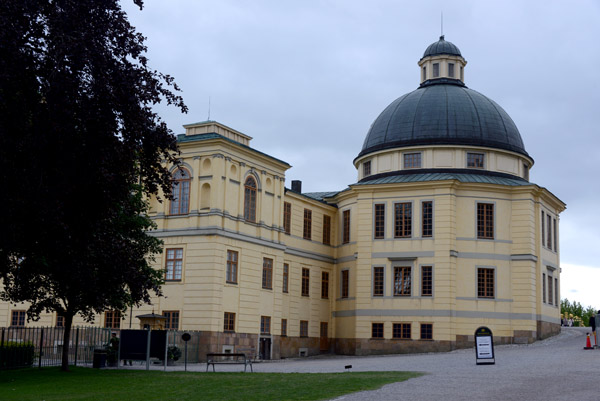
(582, 283)
(307, 79)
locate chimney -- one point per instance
(297, 186)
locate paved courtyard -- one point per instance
(554, 369)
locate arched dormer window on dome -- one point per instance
(180, 203)
(250, 188)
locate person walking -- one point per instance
(593, 326)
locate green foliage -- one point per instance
(80, 150)
(173, 352)
(16, 355)
(576, 309)
(93, 384)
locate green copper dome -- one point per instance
(441, 47)
(443, 113)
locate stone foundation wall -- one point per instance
(546, 329)
(289, 347)
(520, 337)
(211, 341)
(365, 346)
(281, 347)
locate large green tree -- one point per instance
(576, 309)
(80, 150)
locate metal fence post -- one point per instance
(76, 345)
(148, 350)
(41, 345)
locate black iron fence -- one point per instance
(43, 346)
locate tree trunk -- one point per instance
(66, 337)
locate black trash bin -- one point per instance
(99, 358)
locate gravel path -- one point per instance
(554, 369)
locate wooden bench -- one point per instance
(228, 359)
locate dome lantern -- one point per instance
(442, 60)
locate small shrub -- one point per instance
(173, 352)
(16, 355)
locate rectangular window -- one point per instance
(403, 220)
(412, 160)
(232, 267)
(485, 283)
(345, 283)
(286, 277)
(265, 325)
(544, 287)
(402, 281)
(378, 281)
(426, 281)
(367, 168)
(424, 77)
(543, 229)
(284, 327)
(556, 296)
(324, 285)
(436, 70)
(326, 230)
(60, 321)
(172, 321)
(485, 220)
(462, 74)
(267, 274)
(549, 232)
(228, 321)
(475, 160)
(550, 295)
(346, 228)
(174, 264)
(426, 331)
(112, 319)
(377, 330)
(379, 220)
(554, 236)
(17, 318)
(305, 282)
(427, 219)
(525, 172)
(287, 217)
(303, 328)
(307, 224)
(401, 331)
(451, 70)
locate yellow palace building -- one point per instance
(441, 233)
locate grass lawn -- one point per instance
(49, 384)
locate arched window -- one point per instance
(181, 192)
(250, 199)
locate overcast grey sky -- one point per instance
(307, 78)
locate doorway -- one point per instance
(324, 343)
(265, 348)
